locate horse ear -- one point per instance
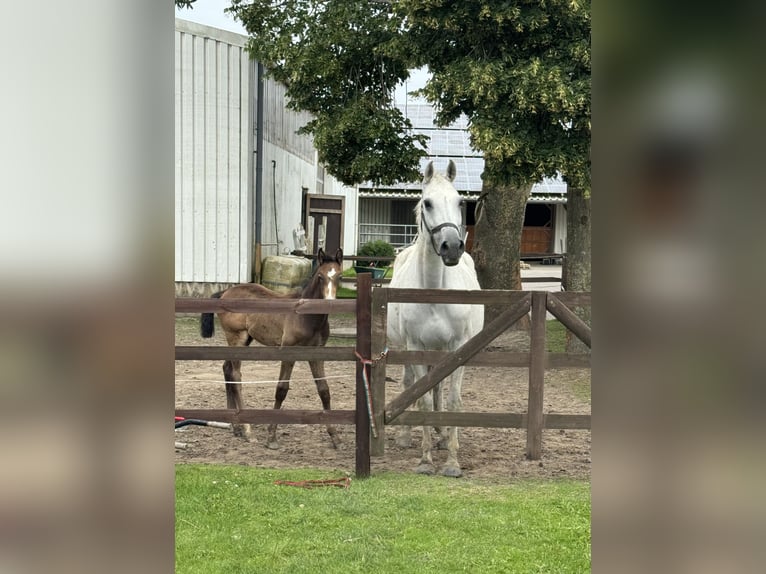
(429, 173)
(339, 257)
(320, 256)
(451, 170)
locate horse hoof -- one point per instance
(424, 468)
(242, 431)
(273, 445)
(453, 471)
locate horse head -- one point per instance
(440, 214)
(326, 279)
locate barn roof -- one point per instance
(453, 143)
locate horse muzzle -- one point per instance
(451, 251)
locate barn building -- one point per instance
(247, 186)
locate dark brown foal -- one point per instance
(278, 330)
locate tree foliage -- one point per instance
(520, 71)
(340, 62)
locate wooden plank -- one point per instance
(446, 418)
(572, 422)
(473, 297)
(568, 361)
(482, 359)
(363, 328)
(283, 306)
(574, 298)
(270, 416)
(536, 377)
(259, 353)
(571, 321)
(458, 358)
(378, 379)
(491, 420)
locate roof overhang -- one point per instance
(414, 195)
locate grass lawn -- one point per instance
(236, 520)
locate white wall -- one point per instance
(212, 155)
(215, 137)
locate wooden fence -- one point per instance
(537, 359)
(371, 316)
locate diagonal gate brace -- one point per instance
(458, 358)
(568, 318)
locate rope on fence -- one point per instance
(344, 482)
(367, 392)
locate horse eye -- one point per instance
(427, 203)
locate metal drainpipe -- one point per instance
(274, 185)
(258, 172)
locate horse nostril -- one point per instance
(444, 248)
(461, 247)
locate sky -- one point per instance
(211, 13)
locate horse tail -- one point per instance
(207, 321)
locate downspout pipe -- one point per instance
(258, 171)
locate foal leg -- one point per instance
(454, 404)
(285, 370)
(232, 372)
(317, 371)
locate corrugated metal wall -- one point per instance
(213, 155)
(215, 91)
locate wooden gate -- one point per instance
(371, 309)
(518, 303)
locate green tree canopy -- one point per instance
(520, 72)
(339, 62)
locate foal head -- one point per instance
(325, 280)
(439, 214)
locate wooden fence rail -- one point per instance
(371, 309)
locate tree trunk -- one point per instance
(577, 263)
(497, 244)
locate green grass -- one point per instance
(236, 520)
(555, 337)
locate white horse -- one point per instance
(436, 260)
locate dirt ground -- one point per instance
(495, 454)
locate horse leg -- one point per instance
(441, 433)
(425, 404)
(454, 404)
(403, 436)
(285, 370)
(232, 372)
(317, 371)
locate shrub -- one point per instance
(371, 249)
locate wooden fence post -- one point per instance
(378, 377)
(536, 377)
(363, 328)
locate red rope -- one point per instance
(367, 389)
(344, 482)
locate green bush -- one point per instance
(378, 248)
